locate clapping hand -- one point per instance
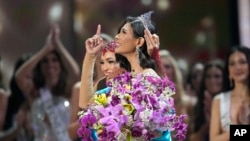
(94, 44)
(49, 41)
(244, 113)
(56, 35)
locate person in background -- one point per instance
(174, 74)
(194, 80)
(47, 79)
(3, 98)
(211, 85)
(16, 126)
(232, 105)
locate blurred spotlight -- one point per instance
(78, 22)
(146, 2)
(183, 64)
(163, 4)
(66, 103)
(55, 12)
(200, 38)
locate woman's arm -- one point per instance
(23, 75)
(3, 107)
(74, 102)
(74, 123)
(86, 88)
(93, 47)
(215, 125)
(72, 130)
(70, 64)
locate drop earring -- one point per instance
(137, 55)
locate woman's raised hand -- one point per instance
(56, 35)
(49, 41)
(152, 41)
(94, 44)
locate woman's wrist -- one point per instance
(91, 56)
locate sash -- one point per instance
(58, 126)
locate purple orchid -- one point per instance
(149, 99)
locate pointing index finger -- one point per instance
(98, 31)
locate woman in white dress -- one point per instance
(232, 105)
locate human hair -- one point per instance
(192, 73)
(39, 78)
(106, 37)
(199, 116)
(229, 84)
(138, 31)
(177, 72)
(17, 97)
(123, 61)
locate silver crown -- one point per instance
(146, 18)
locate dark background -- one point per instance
(190, 29)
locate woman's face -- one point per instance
(168, 67)
(125, 40)
(197, 75)
(238, 67)
(108, 63)
(51, 67)
(213, 80)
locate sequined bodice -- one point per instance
(225, 99)
(42, 129)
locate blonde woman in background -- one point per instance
(172, 70)
(174, 74)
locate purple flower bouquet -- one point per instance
(134, 108)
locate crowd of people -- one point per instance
(47, 89)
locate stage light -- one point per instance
(163, 4)
(55, 12)
(146, 2)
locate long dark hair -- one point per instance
(138, 31)
(199, 117)
(123, 61)
(228, 85)
(39, 79)
(17, 97)
(1, 75)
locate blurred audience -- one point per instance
(183, 102)
(47, 79)
(17, 126)
(3, 98)
(211, 85)
(174, 74)
(193, 81)
(232, 105)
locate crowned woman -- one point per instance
(139, 104)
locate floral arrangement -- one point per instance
(132, 108)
